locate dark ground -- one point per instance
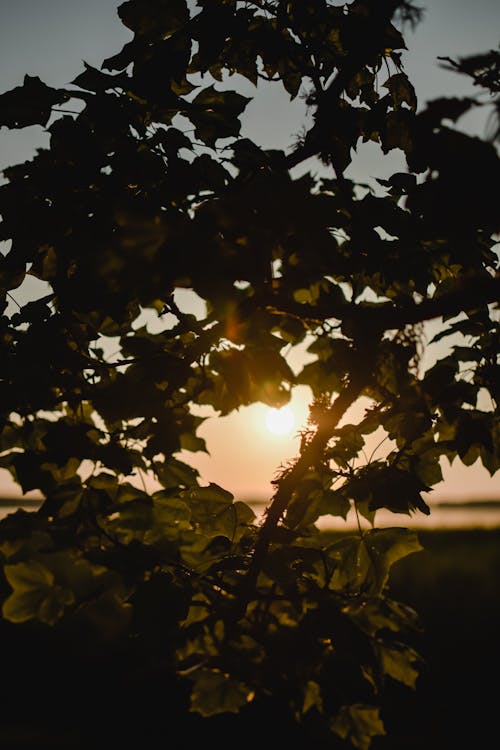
(454, 586)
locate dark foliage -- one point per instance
(174, 611)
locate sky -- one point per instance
(52, 38)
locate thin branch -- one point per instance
(9, 295)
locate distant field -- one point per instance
(454, 585)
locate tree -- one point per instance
(148, 188)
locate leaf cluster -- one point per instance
(148, 190)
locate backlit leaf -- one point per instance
(35, 594)
(312, 697)
(400, 662)
(215, 693)
(358, 724)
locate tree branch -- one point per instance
(471, 291)
(311, 455)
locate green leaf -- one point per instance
(387, 546)
(131, 522)
(35, 594)
(398, 661)
(191, 442)
(216, 693)
(333, 503)
(351, 564)
(378, 613)
(212, 493)
(312, 697)
(311, 499)
(171, 517)
(175, 473)
(108, 483)
(214, 513)
(358, 724)
(64, 500)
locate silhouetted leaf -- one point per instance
(93, 79)
(215, 114)
(401, 91)
(154, 19)
(191, 271)
(29, 104)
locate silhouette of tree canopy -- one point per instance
(147, 187)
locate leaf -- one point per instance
(312, 697)
(215, 514)
(215, 693)
(93, 79)
(351, 564)
(154, 19)
(401, 91)
(378, 613)
(211, 493)
(310, 500)
(284, 564)
(333, 503)
(108, 614)
(26, 469)
(392, 488)
(29, 104)
(64, 500)
(171, 516)
(349, 442)
(123, 58)
(11, 276)
(358, 724)
(191, 442)
(447, 108)
(24, 541)
(215, 114)
(175, 473)
(398, 661)
(131, 522)
(320, 378)
(105, 482)
(397, 132)
(198, 611)
(44, 588)
(387, 546)
(35, 594)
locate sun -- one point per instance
(280, 421)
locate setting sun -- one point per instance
(280, 421)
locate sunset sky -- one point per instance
(51, 38)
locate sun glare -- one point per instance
(280, 421)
